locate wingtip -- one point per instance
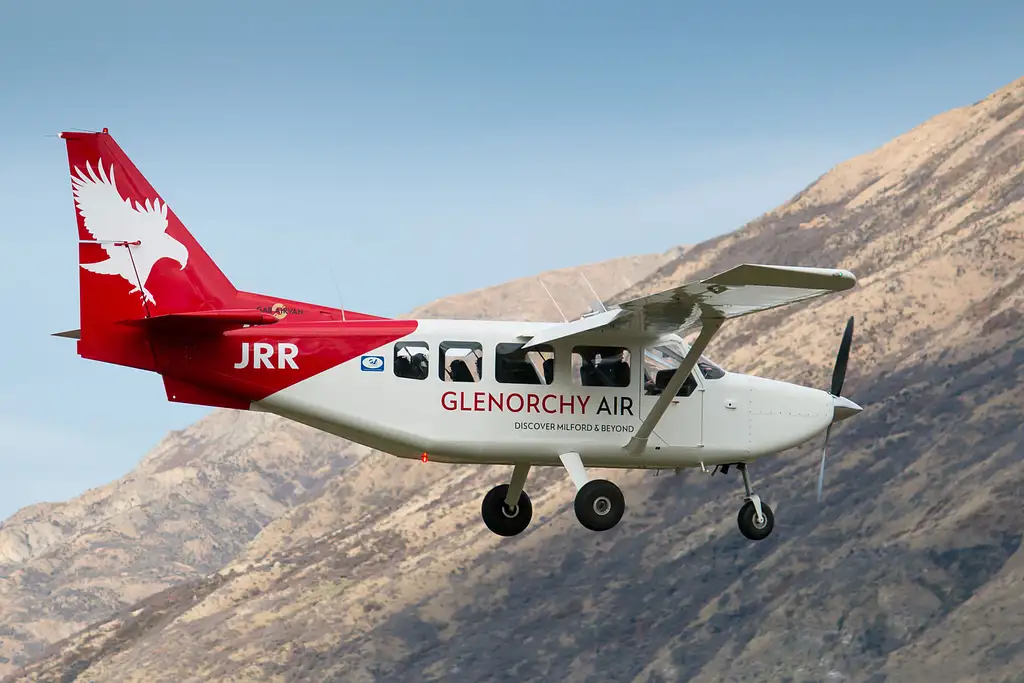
(847, 275)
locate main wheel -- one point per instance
(502, 520)
(753, 528)
(599, 505)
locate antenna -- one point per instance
(564, 319)
(341, 303)
(596, 297)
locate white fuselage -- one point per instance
(726, 419)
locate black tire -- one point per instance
(499, 518)
(599, 505)
(747, 522)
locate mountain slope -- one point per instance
(189, 507)
(202, 494)
(909, 570)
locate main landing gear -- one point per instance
(507, 509)
(755, 519)
(599, 504)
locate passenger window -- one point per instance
(461, 361)
(601, 366)
(412, 360)
(660, 363)
(513, 365)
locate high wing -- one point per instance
(745, 289)
(706, 304)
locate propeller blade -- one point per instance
(839, 371)
(821, 472)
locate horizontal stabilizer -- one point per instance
(205, 321)
(69, 334)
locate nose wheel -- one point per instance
(753, 526)
(755, 519)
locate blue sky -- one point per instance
(423, 149)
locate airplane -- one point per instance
(616, 388)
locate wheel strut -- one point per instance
(751, 496)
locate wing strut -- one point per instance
(638, 443)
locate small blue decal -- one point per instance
(371, 363)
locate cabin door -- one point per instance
(681, 425)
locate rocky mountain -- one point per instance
(197, 500)
(189, 507)
(909, 570)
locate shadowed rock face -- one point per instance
(909, 570)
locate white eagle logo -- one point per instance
(112, 220)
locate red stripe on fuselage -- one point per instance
(278, 355)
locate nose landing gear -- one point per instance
(755, 519)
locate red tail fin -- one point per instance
(148, 290)
(136, 259)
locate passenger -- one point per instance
(420, 366)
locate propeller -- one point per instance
(844, 408)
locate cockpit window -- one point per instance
(660, 363)
(660, 360)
